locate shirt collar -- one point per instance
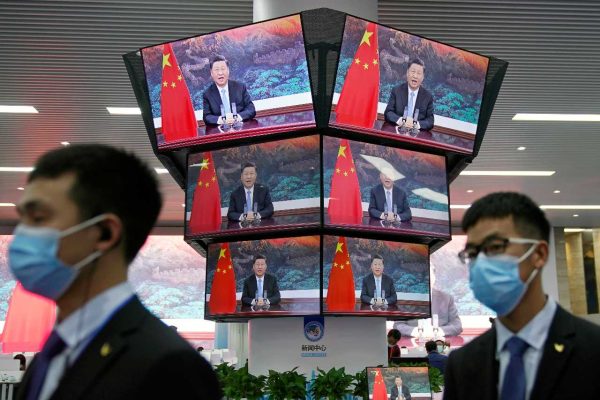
(226, 88)
(78, 326)
(534, 333)
(416, 92)
(250, 189)
(258, 278)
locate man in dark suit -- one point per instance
(388, 201)
(80, 203)
(374, 283)
(399, 388)
(250, 200)
(259, 282)
(412, 96)
(225, 92)
(434, 358)
(535, 349)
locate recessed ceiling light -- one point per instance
(470, 191)
(460, 206)
(521, 148)
(558, 117)
(65, 143)
(20, 188)
(508, 173)
(18, 109)
(556, 191)
(161, 170)
(573, 230)
(7, 204)
(576, 215)
(16, 169)
(570, 207)
(183, 205)
(124, 110)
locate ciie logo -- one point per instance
(314, 331)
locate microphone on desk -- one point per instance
(405, 115)
(416, 117)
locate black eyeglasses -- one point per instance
(492, 246)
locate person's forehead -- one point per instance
(415, 66)
(489, 227)
(48, 193)
(248, 170)
(219, 64)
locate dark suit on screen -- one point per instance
(437, 360)
(399, 99)
(135, 356)
(269, 284)
(405, 393)
(368, 289)
(399, 198)
(238, 94)
(261, 195)
(472, 371)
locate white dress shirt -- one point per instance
(535, 334)
(226, 90)
(251, 198)
(78, 330)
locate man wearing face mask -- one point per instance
(85, 213)
(535, 349)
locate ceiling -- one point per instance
(64, 58)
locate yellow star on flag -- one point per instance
(173, 85)
(366, 38)
(375, 61)
(347, 262)
(200, 183)
(341, 267)
(230, 267)
(207, 184)
(224, 271)
(342, 151)
(166, 60)
(345, 173)
(357, 60)
(214, 178)
(179, 76)
(338, 248)
(222, 253)
(204, 164)
(218, 270)
(165, 84)
(366, 66)
(337, 170)
(352, 169)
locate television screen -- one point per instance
(233, 83)
(260, 187)
(375, 277)
(375, 187)
(398, 383)
(263, 278)
(393, 84)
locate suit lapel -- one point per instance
(484, 368)
(557, 351)
(108, 345)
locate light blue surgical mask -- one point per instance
(440, 349)
(495, 280)
(33, 258)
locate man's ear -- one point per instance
(540, 254)
(111, 232)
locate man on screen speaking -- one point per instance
(407, 98)
(260, 288)
(251, 200)
(225, 93)
(399, 391)
(388, 201)
(378, 288)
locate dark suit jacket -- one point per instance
(437, 360)
(368, 289)
(269, 284)
(238, 94)
(472, 371)
(399, 99)
(405, 392)
(377, 202)
(146, 360)
(261, 195)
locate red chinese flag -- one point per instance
(206, 205)
(29, 321)
(222, 294)
(379, 390)
(360, 94)
(345, 205)
(340, 292)
(176, 109)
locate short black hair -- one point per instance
(395, 333)
(218, 58)
(376, 257)
(248, 165)
(417, 61)
(107, 180)
(430, 346)
(259, 257)
(529, 219)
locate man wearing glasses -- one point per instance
(536, 349)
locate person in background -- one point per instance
(535, 349)
(399, 391)
(435, 358)
(84, 214)
(22, 361)
(393, 337)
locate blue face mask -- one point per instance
(33, 258)
(496, 283)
